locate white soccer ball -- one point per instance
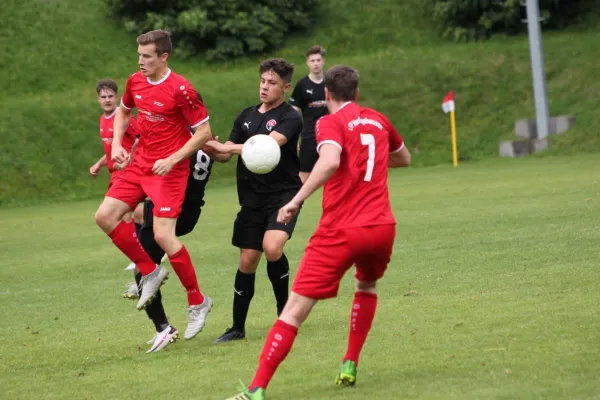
(261, 154)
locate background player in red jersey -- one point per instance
(356, 146)
(168, 106)
(107, 90)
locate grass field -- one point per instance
(492, 293)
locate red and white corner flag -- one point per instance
(448, 104)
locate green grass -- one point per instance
(55, 50)
(492, 293)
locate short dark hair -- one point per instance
(342, 82)
(281, 67)
(161, 39)
(316, 49)
(106, 84)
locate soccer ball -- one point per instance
(261, 154)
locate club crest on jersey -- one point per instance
(271, 124)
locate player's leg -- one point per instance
(138, 220)
(248, 233)
(276, 236)
(199, 305)
(109, 218)
(165, 333)
(129, 189)
(325, 260)
(168, 193)
(278, 267)
(373, 246)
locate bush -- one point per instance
(464, 20)
(219, 29)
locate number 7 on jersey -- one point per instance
(367, 139)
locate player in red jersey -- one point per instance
(356, 146)
(168, 106)
(107, 90)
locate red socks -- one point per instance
(125, 238)
(183, 267)
(361, 319)
(277, 346)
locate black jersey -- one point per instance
(200, 169)
(310, 98)
(253, 189)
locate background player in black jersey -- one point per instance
(308, 97)
(256, 229)
(200, 170)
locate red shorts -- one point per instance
(330, 253)
(113, 177)
(136, 182)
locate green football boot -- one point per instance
(246, 394)
(347, 375)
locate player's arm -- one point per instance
(202, 134)
(95, 169)
(326, 165)
(218, 157)
(118, 153)
(289, 127)
(130, 158)
(122, 119)
(190, 105)
(400, 158)
(231, 146)
(399, 155)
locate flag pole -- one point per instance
(454, 150)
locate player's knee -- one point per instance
(249, 262)
(166, 240)
(104, 219)
(273, 251)
(364, 286)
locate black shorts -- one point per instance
(308, 154)
(251, 223)
(187, 220)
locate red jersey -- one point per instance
(357, 195)
(166, 111)
(106, 134)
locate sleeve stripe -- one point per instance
(333, 142)
(124, 106)
(399, 148)
(201, 122)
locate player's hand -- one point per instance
(94, 170)
(217, 147)
(118, 154)
(121, 166)
(162, 167)
(287, 212)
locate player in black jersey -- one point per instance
(260, 196)
(308, 97)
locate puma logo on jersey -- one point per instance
(158, 104)
(310, 91)
(165, 209)
(247, 124)
(137, 96)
